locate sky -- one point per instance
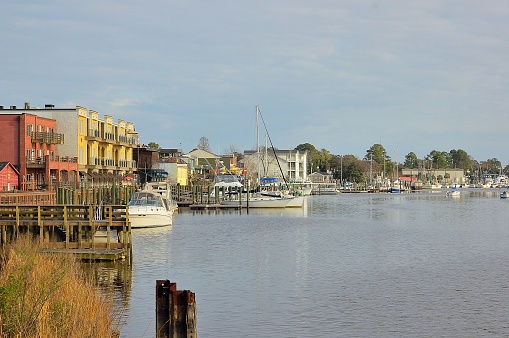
(414, 76)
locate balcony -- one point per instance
(45, 137)
(126, 140)
(40, 162)
(110, 137)
(94, 134)
(35, 162)
(108, 162)
(94, 161)
(127, 164)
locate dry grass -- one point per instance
(44, 296)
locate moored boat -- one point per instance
(152, 206)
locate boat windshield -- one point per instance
(146, 199)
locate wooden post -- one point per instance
(66, 225)
(108, 227)
(16, 231)
(39, 223)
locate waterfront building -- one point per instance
(34, 142)
(102, 145)
(29, 143)
(9, 177)
(203, 164)
(171, 162)
(293, 164)
(446, 176)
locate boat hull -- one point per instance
(261, 202)
(150, 219)
(295, 202)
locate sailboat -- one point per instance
(259, 200)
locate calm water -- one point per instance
(352, 265)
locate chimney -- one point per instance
(1, 107)
(49, 106)
(13, 107)
(27, 105)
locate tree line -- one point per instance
(378, 162)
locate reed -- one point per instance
(44, 295)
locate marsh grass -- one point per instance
(44, 295)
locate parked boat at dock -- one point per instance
(152, 206)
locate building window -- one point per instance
(29, 129)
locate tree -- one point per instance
(153, 145)
(352, 169)
(203, 144)
(460, 159)
(493, 166)
(378, 154)
(437, 159)
(232, 150)
(314, 156)
(324, 160)
(411, 161)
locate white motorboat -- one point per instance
(504, 194)
(259, 201)
(152, 206)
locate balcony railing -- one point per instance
(126, 164)
(108, 162)
(35, 160)
(94, 133)
(95, 161)
(41, 159)
(109, 136)
(45, 137)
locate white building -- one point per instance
(292, 164)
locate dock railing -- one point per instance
(68, 226)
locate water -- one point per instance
(352, 265)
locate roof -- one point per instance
(5, 164)
(200, 153)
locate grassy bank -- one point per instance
(43, 295)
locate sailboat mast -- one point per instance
(258, 144)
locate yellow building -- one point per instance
(101, 144)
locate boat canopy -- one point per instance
(143, 198)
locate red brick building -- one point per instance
(29, 142)
(9, 177)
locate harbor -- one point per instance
(386, 265)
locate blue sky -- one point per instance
(342, 75)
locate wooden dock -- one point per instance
(88, 231)
(214, 207)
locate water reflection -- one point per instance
(114, 280)
(419, 264)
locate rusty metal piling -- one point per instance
(175, 311)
